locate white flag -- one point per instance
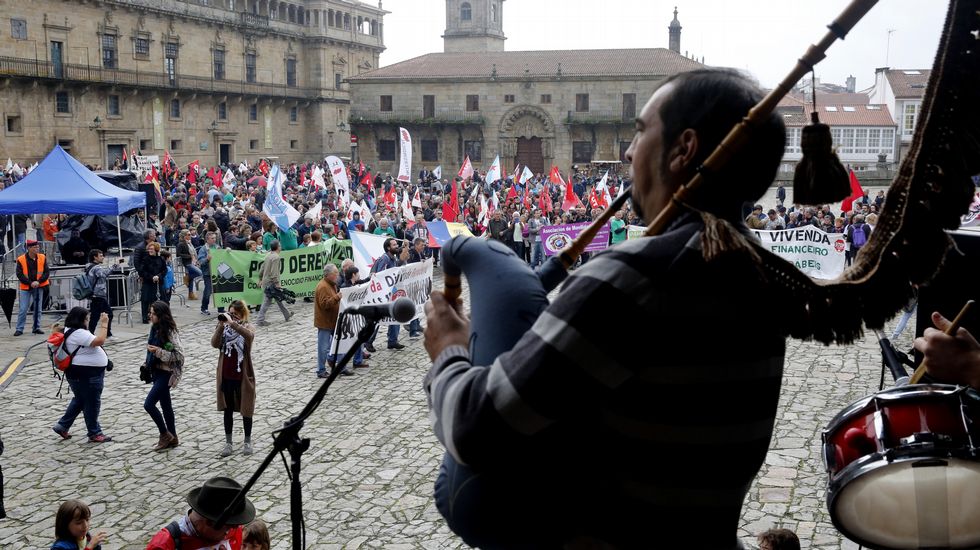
(525, 175)
(437, 173)
(229, 177)
(10, 164)
(494, 202)
(484, 215)
(340, 182)
(405, 166)
(493, 174)
(603, 188)
(314, 213)
(317, 177)
(466, 170)
(417, 200)
(31, 168)
(407, 213)
(242, 168)
(367, 248)
(275, 205)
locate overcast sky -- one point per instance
(764, 37)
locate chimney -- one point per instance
(851, 84)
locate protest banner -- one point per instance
(556, 238)
(813, 251)
(413, 281)
(235, 274)
(405, 162)
(145, 162)
(635, 232)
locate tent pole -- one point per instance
(119, 235)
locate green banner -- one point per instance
(235, 274)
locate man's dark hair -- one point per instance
(93, 253)
(712, 102)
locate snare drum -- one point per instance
(904, 468)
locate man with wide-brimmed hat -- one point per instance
(199, 529)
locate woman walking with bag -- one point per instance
(235, 377)
(165, 361)
(86, 375)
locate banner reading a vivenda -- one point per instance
(235, 274)
(813, 251)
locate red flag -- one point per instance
(593, 199)
(544, 201)
(390, 197)
(527, 198)
(124, 161)
(571, 199)
(166, 162)
(450, 208)
(302, 176)
(360, 169)
(555, 176)
(367, 180)
(192, 171)
(264, 168)
(512, 193)
(856, 193)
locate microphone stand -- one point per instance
(288, 438)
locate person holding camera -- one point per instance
(165, 361)
(235, 376)
(99, 274)
(86, 375)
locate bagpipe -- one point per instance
(932, 189)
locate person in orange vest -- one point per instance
(32, 271)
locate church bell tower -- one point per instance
(474, 26)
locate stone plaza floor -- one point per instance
(367, 478)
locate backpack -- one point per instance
(60, 357)
(859, 235)
(82, 287)
(174, 529)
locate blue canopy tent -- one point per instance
(60, 184)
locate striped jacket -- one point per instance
(639, 406)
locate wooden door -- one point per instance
(529, 154)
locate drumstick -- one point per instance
(920, 371)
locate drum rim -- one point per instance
(867, 466)
(911, 391)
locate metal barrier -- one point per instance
(123, 289)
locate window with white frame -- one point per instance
(861, 141)
(792, 140)
(910, 114)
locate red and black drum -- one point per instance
(904, 468)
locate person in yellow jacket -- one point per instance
(32, 271)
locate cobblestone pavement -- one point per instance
(368, 475)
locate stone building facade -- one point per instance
(209, 80)
(536, 108)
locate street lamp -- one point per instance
(95, 124)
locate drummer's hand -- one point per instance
(954, 359)
(446, 325)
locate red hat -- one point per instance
(29, 244)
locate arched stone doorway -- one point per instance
(527, 136)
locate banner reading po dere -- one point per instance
(413, 281)
(235, 274)
(813, 251)
(556, 238)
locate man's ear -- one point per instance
(682, 153)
